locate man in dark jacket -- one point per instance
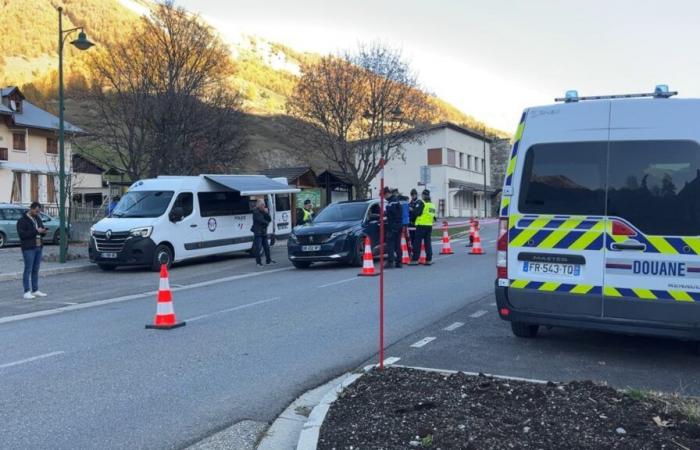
(31, 231)
(394, 223)
(261, 219)
(415, 209)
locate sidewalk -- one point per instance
(12, 265)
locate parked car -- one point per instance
(9, 214)
(337, 233)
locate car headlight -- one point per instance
(141, 232)
(338, 234)
(293, 238)
(92, 231)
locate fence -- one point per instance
(78, 213)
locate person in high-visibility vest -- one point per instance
(305, 214)
(425, 219)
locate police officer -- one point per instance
(424, 229)
(415, 209)
(394, 222)
(305, 214)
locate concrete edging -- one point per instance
(49, 272)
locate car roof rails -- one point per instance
(660, 91)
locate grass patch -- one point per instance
(689, 407)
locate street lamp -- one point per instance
(484, 163)
(82, 43)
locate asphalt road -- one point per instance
(255, 339)
(475, 339)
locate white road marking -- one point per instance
(454, 326)
(491, 242)
(50, 312)
(33, 358)
(493, 304)
(478, 314)
(339, 282)
(235, 308)
(391, 360)
(423, 342)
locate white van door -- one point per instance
(282, 214)
(556, 217)
(184, 234)
(652, 266)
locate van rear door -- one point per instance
(556, 218)
(652, 257)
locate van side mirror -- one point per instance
(177, 214)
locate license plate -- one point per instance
(108, 255)
(310, 248)
(563, 270)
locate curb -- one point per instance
(49, 272)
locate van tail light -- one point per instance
(622, 229)
(502, 249)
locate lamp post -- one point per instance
(82, 43)
(484, 163)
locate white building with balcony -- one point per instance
(459, 166)
(29, 150)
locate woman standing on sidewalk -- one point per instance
(31, 233)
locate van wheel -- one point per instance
(162, 255)
(524, 330)
(301, 264)
(106, 267)
(3, 240)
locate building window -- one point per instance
(483, 165)
(52, 146)
(17, 187)
(469, 162)
(3, 154)
(50, 189)
(34, 186)
(451, 158)
(18, 141)
(461, 160)
(476, 163)
(434, 156)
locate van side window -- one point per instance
(227, 203)
(185, 201)
(655, 185)
(564, 178)
(283, 202)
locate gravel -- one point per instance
(403, 408)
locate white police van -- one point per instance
(600, 217)
(169, 219)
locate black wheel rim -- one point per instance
(164, 257)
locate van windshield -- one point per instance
(143, 204)
(342, 212)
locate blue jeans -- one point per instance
(32, 261)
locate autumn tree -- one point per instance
(365, 106)
(163, 100)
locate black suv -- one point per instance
(336, 234)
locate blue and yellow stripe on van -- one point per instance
(607, 291)
(510, 169)
(557, 232)
(588, 233)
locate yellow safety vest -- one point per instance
(428, 217)
(307, 215)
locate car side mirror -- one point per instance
(177, 214)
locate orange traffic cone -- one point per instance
(446, 247)
(422, 259)
(472, 229)
(165, 314)
(477, 249)
(405, 258)
(368, 261)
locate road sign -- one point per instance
(424, 175)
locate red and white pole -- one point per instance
(381, 265)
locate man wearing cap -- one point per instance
(424, 230)
(415, 209)
(305, 214)
(394, 223)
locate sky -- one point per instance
(493, 58)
